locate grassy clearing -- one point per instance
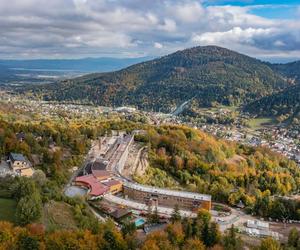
(58, 215)
(216, 109)
(257, 123)
(7, 209)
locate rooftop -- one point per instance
(183, 194)
(101, 173)
(119, 213)
(17, 157)
(99, 164)
(111, 183)
(96, 188)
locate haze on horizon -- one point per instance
(58, 29)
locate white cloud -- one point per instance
(187, 12)
(68, 28)
(279, 43)
(158, 45)
(168, 25)
(236, 35)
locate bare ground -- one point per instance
(137, 161)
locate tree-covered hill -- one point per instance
(230, 172)
(291, 70)
(286, 103)
(208, 74)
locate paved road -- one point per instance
(179, 109)
(237, 217)
(98, 216)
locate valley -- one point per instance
(149, 125)
(186, 140)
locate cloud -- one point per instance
(187, 12)
(158, 45)
(235, 35)
(80, 28)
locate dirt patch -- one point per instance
(137, 161)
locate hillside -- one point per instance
(291, 70)
(229, 171)
(286, 102)
(208, 74)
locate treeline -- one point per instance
(230, 172)
(31, 194)
(54, 146)
(198, 234)
(50, 146)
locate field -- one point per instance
(257, 123)
(7, 209)
(58, 215)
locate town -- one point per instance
(106, 179)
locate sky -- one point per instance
(29, 29)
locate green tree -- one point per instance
(113, 241)
(269, 244)
(27, 242)
(29, 209)
(231, 241)
(23, 187)
(293, 239)
(128, 228)
(176, 214)
(214, 234)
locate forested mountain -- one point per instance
(208, 74)
(291, 70)
(286, 102)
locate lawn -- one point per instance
(257, 123)
(7, 209)
(58, 215)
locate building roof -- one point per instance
(257, 223)
(20, 136)
(155, 190)
(101, 173)
(96, 188)
(119, 213)
(17, 157)
(111, 183)
(99, 165)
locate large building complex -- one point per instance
(104, 175)
(164, 197)
(99, 175)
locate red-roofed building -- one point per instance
(114, 186)
(96, 189)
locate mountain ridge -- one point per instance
(209, 74)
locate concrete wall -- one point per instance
(166, 200)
